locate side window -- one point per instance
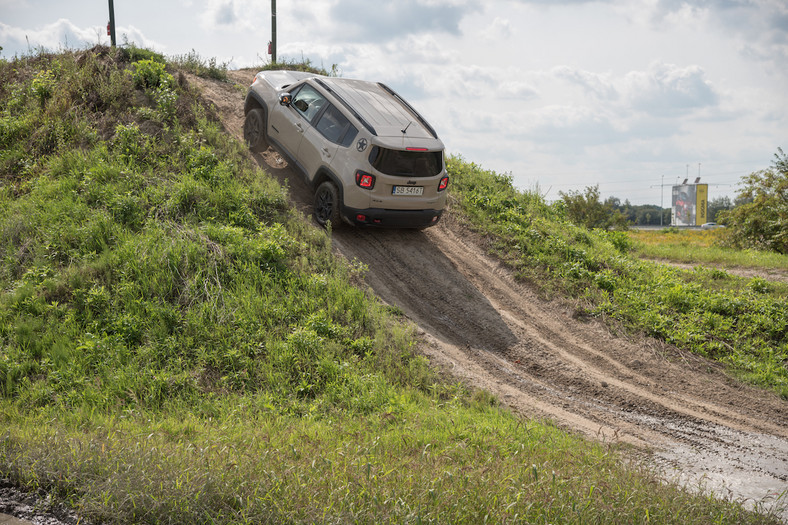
(350, 136)
(333, 125)
(308, 102)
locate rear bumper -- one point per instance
(381, 218)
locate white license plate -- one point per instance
(407, 190)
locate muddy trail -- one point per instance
(681, 413)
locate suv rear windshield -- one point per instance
(406, 163)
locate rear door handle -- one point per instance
(300, 127)
(327, 153)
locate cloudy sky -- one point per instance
(560, 94)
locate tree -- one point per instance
(717, 205)
(585, 209)
(762, 222)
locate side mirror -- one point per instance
(285, 99)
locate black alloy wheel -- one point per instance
(326, 205)
(254, 130)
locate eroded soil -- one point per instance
(21, 508)
(686, 416)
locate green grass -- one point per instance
(416, 460)
(194, 63)
(700, 246)
(742, 323)
(179, 346)
(304, 65)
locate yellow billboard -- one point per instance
(701, 203)
(689, 204)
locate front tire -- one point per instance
(326, 205)
(254, 130)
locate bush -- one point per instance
(43, 85)
(761, 223)
(149, 74)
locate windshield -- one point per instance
(406, 163)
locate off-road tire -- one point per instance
(254, 130)
(326, 206)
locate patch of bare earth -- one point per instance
(680, 411)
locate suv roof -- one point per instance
(378, 107)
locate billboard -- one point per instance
(689, 204)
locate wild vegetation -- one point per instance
(762, 223)
(585, 209)
(177, 345)
(701, 246)
(742, 323)
(299, 65)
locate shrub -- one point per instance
(150, 74)
(762, 222)
(43, 86)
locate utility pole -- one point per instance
(111, 25)
(273, 31)
(661, 200)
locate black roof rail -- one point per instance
(348, 106)
(409, 108)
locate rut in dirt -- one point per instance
(702, 426)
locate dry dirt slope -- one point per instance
(475, 320)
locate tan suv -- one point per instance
(370, 158)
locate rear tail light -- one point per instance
(443, 184)
(365, 180)
(415, 149)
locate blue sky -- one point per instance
(560, 94)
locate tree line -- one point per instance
(586, 208)
(756, 218)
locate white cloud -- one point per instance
(487, 86)
(500, 28)
(385, 20)
(596, 84)
(669, 90)
(56, 35)
(761, 26)
(132, 34)
(14, 4)
(218, 13)
(232, 17)
(63, 34)
(225, 14)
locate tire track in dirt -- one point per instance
(498, 335)
(477, 322)
(601, 367)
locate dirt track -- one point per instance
(695, 423)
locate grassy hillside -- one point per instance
(742, 323)
(179, 346)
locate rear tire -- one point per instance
(254, 130)
(326, 205)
